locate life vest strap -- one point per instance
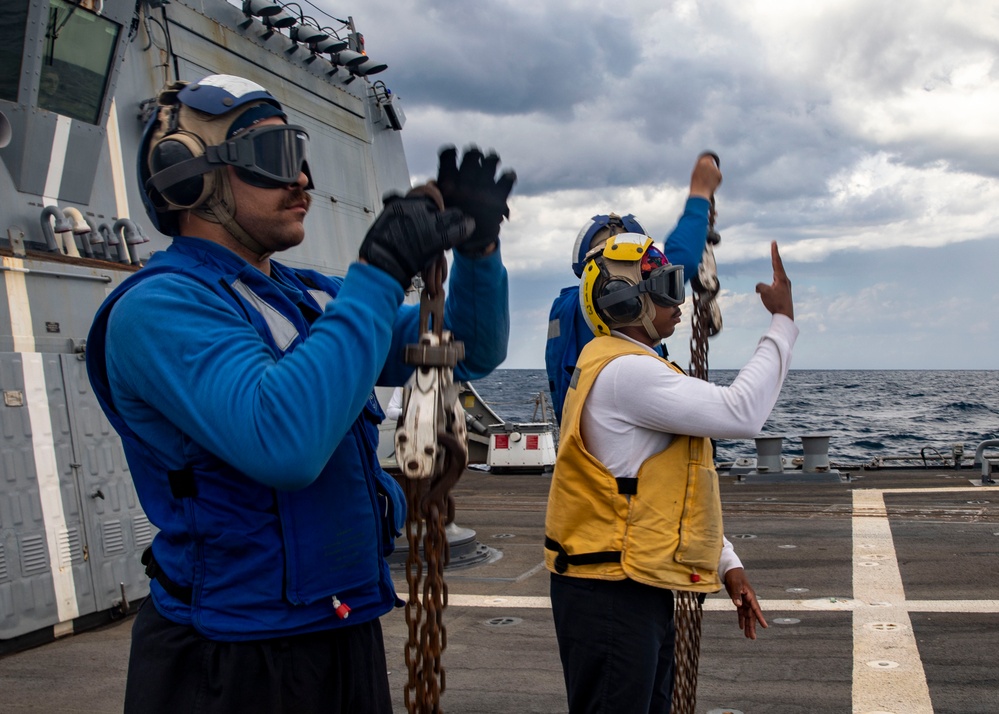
(182, 483)
(627, 486)
(563, 560)
(154, 572)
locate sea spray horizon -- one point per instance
(867, 413)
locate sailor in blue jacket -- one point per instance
(568, 332)
(243, 393)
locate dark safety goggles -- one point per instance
(664, 285)
(269, 156)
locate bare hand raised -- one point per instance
(706, 176)
(776, 297)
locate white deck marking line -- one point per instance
(722, 604)
(888, 673)
(936, 489)
(502, 601)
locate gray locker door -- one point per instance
(117, 529)
(44, 574)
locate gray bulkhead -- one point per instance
(71, 528)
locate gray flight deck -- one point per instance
(880, 593)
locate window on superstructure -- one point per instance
(12, 31)
(79, 48)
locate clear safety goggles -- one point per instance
(269, 156)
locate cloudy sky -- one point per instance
(862, 136)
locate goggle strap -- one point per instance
(617, 296)
(227, 153)
(172, 175)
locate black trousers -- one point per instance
(174, 669)
(615, 638)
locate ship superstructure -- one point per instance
(78, 80)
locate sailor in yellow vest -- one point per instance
(634, 509)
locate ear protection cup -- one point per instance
(621, 312)
(173, 149)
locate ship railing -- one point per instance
(929, 457)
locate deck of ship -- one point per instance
(880, 593)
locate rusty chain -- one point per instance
(706, 321)
(688, 613)
(687, 616)
(432, 454)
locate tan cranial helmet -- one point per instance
(624, 280)
(196, 132)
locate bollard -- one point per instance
(768, 459)
(816, 448)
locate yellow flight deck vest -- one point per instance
(663, 528)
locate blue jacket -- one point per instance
(568, 332)
(246, 411)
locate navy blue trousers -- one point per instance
(615, 638)
(174, 669)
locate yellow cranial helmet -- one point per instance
(624, 280)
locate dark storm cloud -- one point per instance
(502, 59)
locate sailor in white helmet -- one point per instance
(242, 389)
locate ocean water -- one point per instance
(867, 413)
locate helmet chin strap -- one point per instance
(650, 329)
(228, 222)
(219, 209)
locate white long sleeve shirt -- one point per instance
(637, 405)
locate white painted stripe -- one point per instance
(17, 305)
(117, 163)
(938, 489)
(888, 674)
(47, 474)
(723, 604)
(499, 601)
(57, 160)
(962, 606)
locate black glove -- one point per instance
(475, 190)
(409, 233)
